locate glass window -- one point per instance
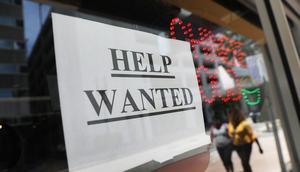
(229, 53)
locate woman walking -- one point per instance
(242, 137)
(219, 135)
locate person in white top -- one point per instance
(219, 136)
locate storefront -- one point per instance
(169, 68)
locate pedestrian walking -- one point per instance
(219, 135)
(242, 137)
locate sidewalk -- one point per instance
(267, 162)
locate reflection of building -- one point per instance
(42, 60)
(14, 90)
(13, 82)
(13, 85)
(26, 134)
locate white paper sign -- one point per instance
(127, 97)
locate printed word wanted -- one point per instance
(138, 100)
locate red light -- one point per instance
(213, 45)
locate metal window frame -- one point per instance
(286, 68)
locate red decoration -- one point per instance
(211, 46)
